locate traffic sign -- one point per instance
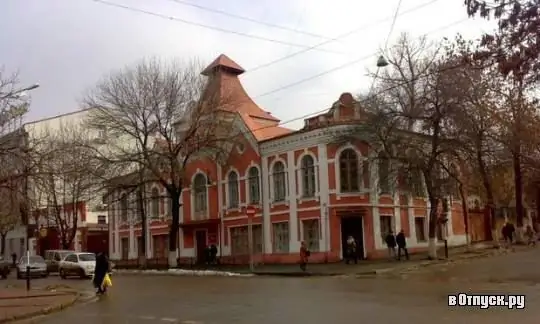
(250, 211)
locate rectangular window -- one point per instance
(257, 234)
(160, 244)
(140, 246)
(240, 243)
(102, 219)
(420, 226)
(239, 240)
(310, 229)
(386, 225)
(125, 248)
(281, 237)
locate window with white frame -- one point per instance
(239, 240)
(199, 194)
(384, 174)
(154, 203)
(308, 176)
(257, 232)
(348, 171)
(234, 199)
(386, 225)
(311, 231)
(124, 206)
(254, 187)
(420, 227)
(280, 233)
(279, 178)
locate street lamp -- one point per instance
(382, 62)
(14, 93)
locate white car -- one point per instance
(79, 264)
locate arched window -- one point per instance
(280, 187)
(308, 176)
(154, 203)
(348, 171)
(199, 193)
(124, 206)
(234, 199)
(254, 187)
(384, 173)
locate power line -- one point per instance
(414, 79)
(232, 15)
(223, 30)
(341, 36)
(340, 67)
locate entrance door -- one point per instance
(200, 240)
(352, 226)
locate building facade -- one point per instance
(312, 185)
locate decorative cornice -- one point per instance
(310, 138)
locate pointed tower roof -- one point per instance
(223, 82)
(225, 63)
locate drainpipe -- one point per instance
(263, 203)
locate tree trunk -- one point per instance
(3, 245)
(144, 225)
(432, 228)
(465, 209)
(175, 226)
(486, 181)
(518, 187)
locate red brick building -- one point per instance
(303, 185)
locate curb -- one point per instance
(41, 312)
(35, 296)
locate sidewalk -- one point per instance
(17, 304)
(364, 267)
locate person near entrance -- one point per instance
(304, 255)
(352, 254)
(390, 240)
(402, 245)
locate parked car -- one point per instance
(53, 258)
(80, 264)
(5, 268)
(38, 267)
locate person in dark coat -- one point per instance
(101, 269)
(390, 241)
(402, 245)
(213, 254)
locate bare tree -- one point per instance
(9, 210)
(472, 121)
(410, 125)
(158, 117)
(65, 176)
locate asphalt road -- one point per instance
(265, 300)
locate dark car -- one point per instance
(5, 268)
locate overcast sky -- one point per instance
(67, 45)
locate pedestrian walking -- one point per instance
(304, 256)
(100, 271)
(390, 240)
(352, 254)
(530, 235)
(402, 245)
(508, 231)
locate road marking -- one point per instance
(170, 320)
(147, 317)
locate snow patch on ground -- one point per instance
(184, 272)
